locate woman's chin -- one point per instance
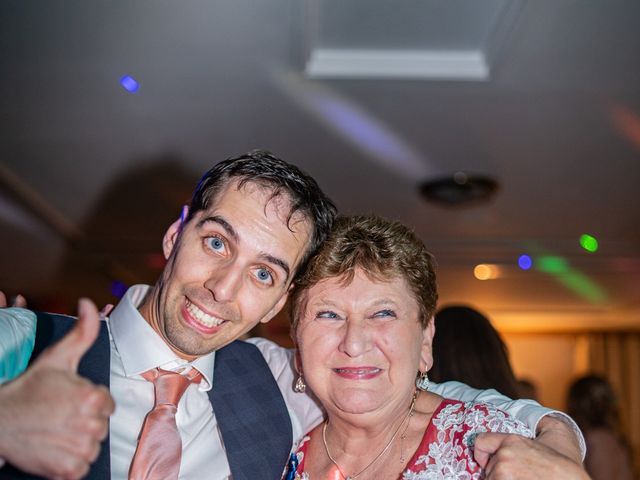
(355, 402)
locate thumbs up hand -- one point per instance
(52, 420)
(67, 353)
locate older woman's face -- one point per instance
(361, 344)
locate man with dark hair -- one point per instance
(192, 401)
(263, 168)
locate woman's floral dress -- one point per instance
(446, 450)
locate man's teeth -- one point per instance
(203, 317)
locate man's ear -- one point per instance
(169, 240)
(426, 356)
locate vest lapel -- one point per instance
(92, 366)
(251, 413)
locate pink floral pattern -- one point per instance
(446, 450)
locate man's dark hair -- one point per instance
(265, 169)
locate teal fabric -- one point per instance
(17, 337)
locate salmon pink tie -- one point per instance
(159, 445)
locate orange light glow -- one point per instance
(485, 271)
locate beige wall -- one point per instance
(550, 360)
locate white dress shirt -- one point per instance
(136, 348)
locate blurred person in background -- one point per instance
(593, 404)
(527, 389)
(468, 349)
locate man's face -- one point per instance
(228, 268)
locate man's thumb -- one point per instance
(66, 354)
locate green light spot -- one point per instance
(559, 269)
(589, 243)
(583, 286)
(550, 264)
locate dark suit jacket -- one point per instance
(251, 413)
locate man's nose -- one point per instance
(225, 282)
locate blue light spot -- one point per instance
(118, 288)
(525, 262)
(129, 84)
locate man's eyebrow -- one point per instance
(278, 261)
(220, 221)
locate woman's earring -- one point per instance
(300, 386)
(422, 381)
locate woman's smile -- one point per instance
(358, 373)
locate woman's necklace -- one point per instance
(384, 450)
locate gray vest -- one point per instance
(251, 413)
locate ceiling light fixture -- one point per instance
(460, 189)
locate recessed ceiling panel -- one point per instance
(409, 38)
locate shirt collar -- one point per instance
(141, 348)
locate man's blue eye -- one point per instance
(263, 275)
(327, 314)
(216, 243)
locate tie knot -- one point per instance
(170, 386)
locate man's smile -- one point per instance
(200, 319)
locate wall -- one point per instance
(550, 360)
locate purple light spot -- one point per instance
(129, 84)
(368, 133)
(525, 262)
(118, 288)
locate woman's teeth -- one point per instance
(358, 371)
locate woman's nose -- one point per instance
(356, 338)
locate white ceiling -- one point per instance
(90, 174)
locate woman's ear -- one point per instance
(169, 240)
(426, 356)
